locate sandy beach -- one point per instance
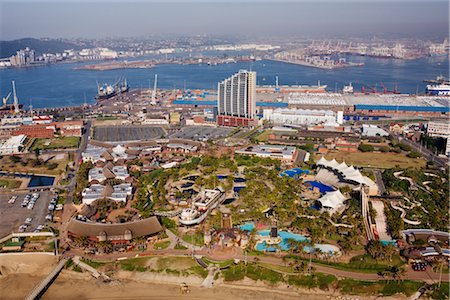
(20, 273)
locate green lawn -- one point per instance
(385, 288)
(194, 239)
(9, 183)
(161, 245)
(362, 263)
(65, 142)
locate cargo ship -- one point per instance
(107, 91)
(442, 89)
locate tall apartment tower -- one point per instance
(236, 100)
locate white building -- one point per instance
(373, 130)
(120, 172)
(285, 153)
(236, 99)
(292, 116)
(121, 192)
(13, 145)
(438, 129)
(119, 152)
(92, 193)
(93, 154)
(96, 174)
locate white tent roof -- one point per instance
(332, 200)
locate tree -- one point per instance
(393, 272)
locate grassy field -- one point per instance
(194, 239)
(9, 183)
(161, 245)
(7, 165)
(375, 159)
(263, 136)
(362, 263)
(66, 142)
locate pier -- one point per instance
(40, 289)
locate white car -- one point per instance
(28, 220)
(40, 227)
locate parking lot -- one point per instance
(202, 133)
(12, 215)
(127, 133)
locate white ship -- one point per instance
(202, 205)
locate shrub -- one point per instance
(405, 147)
(384, 149)
(365, 148)
(414, 154)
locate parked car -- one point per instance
(12, 199)
(28, 220)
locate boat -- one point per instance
(438, 89)
(107, 91)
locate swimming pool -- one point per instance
(249, 226)
(323, 188)
(35, 180)
(294, 172)
(285, 235)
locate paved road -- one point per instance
(426, 153)
(77, 159)
(379, 179)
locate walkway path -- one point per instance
(174, 239)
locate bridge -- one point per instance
(40, 289)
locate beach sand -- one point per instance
(20, 273)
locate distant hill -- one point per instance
(8, 48)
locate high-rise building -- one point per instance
(236, 100)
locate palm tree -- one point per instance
(394, 272)
(292, 244)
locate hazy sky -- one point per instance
(34, 18)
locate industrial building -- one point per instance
(402, 110)
(284, 116)
(236, 100)
(373, 130)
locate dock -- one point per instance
(40, 289)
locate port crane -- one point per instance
(154, 90)
(386, 91)
(5, 99)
